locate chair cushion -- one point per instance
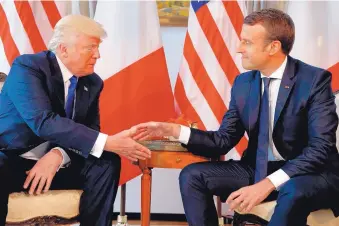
(316, 218)
(61, 203)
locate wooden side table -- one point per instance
(165, 154)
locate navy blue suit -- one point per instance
(305, 124)
(32, 111)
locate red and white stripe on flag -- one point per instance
(26, 27)
(210, 64)
(133, 66)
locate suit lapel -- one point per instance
(82, 99)
(57, 84)
(286, 86)
(254, 100)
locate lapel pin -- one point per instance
(85, 88)
(287, 87)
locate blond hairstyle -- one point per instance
(75, 24)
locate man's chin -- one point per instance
(91, 69)
(247, 66)
(89, 72)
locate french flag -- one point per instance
(136, 81)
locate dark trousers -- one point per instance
(295, 200)
(98, 178)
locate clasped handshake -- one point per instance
(126, 143)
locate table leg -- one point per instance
(146, 181)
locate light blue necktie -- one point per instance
(70, 98)
(263, 138)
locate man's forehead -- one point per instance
(253, 32)
(89, 39)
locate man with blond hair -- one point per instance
(49, 124)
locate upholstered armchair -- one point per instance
(56, 207)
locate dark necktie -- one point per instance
(263, 139)
(70, 98)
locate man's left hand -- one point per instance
(247, 197)
(41, 175)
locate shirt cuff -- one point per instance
(278, 178)
(185, 133)
(99, 145)
(184, 136)
(65, 158)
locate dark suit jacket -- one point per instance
(32, 107)
(305, 122)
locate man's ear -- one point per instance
(275, 47)
(62, 50)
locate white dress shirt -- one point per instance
(279, 177)
(39, 151)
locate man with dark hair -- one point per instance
(287, 109)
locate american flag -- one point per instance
(26, 27)
(210, 64)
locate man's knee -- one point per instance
(190, 177)
(116, 161)
(107, 167)
(291, 195)
(114, 166)
(111, 160)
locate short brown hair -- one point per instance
(279, 26)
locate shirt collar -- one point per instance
(278, 74)
(66, 74)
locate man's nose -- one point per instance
(239, 48)
(96, 54)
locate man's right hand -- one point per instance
(147, 130)
(122, 144)
(40, 177)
